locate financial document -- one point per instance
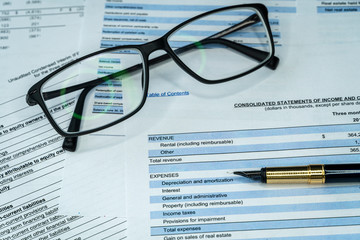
(194, 193)
(35, 22)
(31, 157)
(191, 192)
(180, 150)
(112, 23)
(304, 112)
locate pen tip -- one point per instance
(254, 175)
(240, 174)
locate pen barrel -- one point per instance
(342, 173)
(297, 174)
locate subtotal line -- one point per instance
(36, 8)
(254, 159)
(21, 28)
(264, 229)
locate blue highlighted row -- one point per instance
(114, 43)
(280, 208)
(173, 44)
(173, 20)
(167, 20)
(344, 9)
(146, 32)
(254, 163)
(261, 225)
(197, 182)
(254, 194)
(202, 8)
(252, 148)
(117, 96)
(110, 83)
(110, 60)
(256, 133)
(107, 71)
(108, 109)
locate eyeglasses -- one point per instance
(106, 87)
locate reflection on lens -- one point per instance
(238, 37)
(96, 91)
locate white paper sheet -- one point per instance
(100, 18)
(35, 38)
(302, 113)
(291, 118)
(94, 179)
(181, 148)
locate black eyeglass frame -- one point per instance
(34, 94)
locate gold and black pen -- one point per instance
(319, 173)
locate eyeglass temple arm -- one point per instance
(251, 52)
(256, 54)
(70, 143)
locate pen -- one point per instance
(319, 173)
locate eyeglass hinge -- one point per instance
(29, 100)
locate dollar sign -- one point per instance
(323, 136)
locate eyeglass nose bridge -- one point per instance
(150, 47)
(159, 44)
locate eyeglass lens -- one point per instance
(228, 35)
(119, 92)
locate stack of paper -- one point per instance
(166, 173)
